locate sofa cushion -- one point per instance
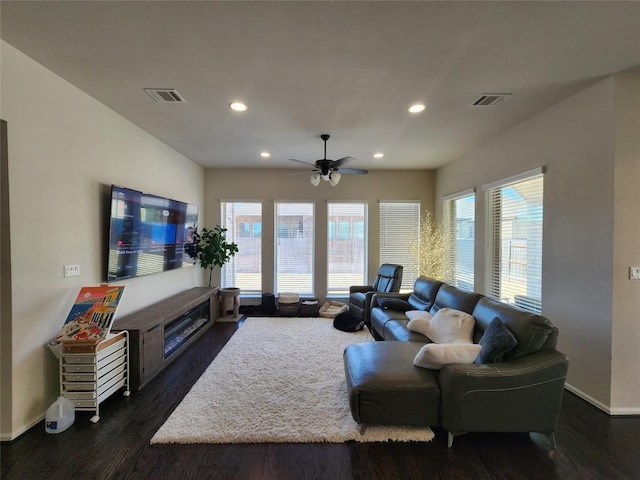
(384, 387)
(397, 304)
(379, 318)
(436, 355)
(389, 278)
(451, 297)
(396, 330)
(496, 341)
(424, 293)
(530, 330)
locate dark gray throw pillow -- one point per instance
(496, 341)
(394, 304)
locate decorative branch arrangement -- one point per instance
(433, 249)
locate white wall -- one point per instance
(269, 185)
(574, 141)
(64, 149)
(625, 378)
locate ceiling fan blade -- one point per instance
(340, 161)
(302, 171)
(353, 171)
(301, 161)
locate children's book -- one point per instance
(92, 315)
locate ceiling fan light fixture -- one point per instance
(326, 169)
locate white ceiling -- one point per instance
(350, 69)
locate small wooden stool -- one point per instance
(230, 301)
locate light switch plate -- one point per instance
(634, 273)
(71, 270)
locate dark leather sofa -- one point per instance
(522, 393)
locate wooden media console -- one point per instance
(160, 332)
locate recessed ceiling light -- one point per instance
(378, 155)
(238, 106)
(417, 108)
(265, 154)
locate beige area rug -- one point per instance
(278, 380)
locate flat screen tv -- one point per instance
(148, 234)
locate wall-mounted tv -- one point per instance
(148, 234)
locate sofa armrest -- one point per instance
(378, 295)
(360, 288)
(521, 395)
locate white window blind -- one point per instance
(514, 260)
(399, 229)
(294, 247)
(243, 221)
(459, 213)
(346, 246)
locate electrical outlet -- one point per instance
(634, 273)
(71, 271)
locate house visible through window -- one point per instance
(243, 221)
(294, 247)
(399, 230)
(346, 247)
(514, 229)
(460, 218)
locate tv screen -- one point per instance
(148, 234)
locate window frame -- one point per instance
(401, 252)
(295, 230)
(335, 235)
(451, 220)
(236, 234)
(498, 212)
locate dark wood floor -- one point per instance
(591, 445)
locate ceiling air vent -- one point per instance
(489, 99)
(165, 95)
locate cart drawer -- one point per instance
(70, 368)
(79, 377)
(80, 395)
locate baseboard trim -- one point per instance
(605, 408)
(588, 398)
(625, 411)
(9, 437)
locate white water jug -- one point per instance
(60, 415)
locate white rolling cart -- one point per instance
(89, 374)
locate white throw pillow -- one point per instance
(451, 326)
(419, 321)
(436, 355)
(413, 314)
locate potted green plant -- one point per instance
(212, 249)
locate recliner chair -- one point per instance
(387, 280)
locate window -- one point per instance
(514, 263)
(399, 229)
(243, 221)
(347, 247)
(460, 217)
(294, 247)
